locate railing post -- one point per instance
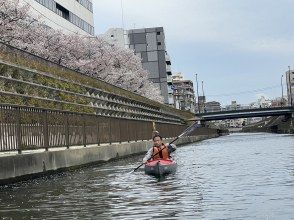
(84, 131)
(67, 130)
(119, 129)
(18, 130)
(136, 131)
(98, 135)
(142, 130)
(110, 131)
(128, 127)
(146, 131)
(46, 134)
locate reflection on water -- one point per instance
(241, 176)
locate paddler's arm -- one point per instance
(171, 147)
(148, 155)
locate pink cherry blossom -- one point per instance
(89, 55)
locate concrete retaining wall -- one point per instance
(16, 167)
(277, 124)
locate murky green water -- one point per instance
(241, 176)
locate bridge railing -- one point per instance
(246, 110)
(26, 128)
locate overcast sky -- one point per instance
(235, 46)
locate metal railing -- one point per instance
(26, 128)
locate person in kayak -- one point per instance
(159, 149)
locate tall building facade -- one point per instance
(71, 16)
(290, 86)
(149, 44)
(184, 97)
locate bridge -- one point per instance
(287, 111)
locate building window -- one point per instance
(66, 14)
(62, 11)
(158, 43)
(50, 4)
(87, 4)
(158, 33)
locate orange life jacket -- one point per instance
(164, 154)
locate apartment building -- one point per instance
(184, 97)
(71, 16)
(149, 44)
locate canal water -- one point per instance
(240, 176)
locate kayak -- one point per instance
(160, 167)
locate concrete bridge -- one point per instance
(287, 111)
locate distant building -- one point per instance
(233, 123)
(73, 16)
(184, 97)
(213, 106)
(253, 120)
(234, 106)
(290, 86)
(149, 44)
(236, 123)
(278, 102)
(200, 106)
(262, 102)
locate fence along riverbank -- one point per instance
(46, 106)
(26, 128)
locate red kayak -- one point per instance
(160, 167)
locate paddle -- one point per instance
(187, 130)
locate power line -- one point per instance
(246, 92)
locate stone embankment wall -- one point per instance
(281, 125)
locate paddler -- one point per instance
(159, 150)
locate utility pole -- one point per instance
(290, 89)
(282, 100)
(291, 99)
(122, 15)
(197, 90)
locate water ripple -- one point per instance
(241, 176)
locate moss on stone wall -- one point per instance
(27, 60)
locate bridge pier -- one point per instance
(291, 123)
(203, 123)
(287, 117)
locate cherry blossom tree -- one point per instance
(90, 55)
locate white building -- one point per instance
(184, 97)
(262, 102)
(116, 36)
(71, 16)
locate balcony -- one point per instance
(168, 69)
(169, 79)
(167, 59)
